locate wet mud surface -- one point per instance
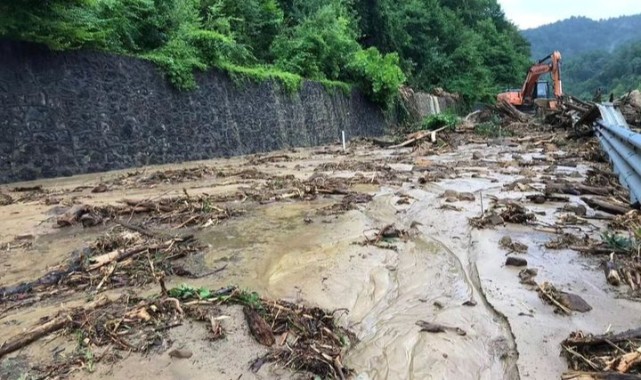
(432, 300)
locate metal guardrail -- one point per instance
(623, 147)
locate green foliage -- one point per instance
(375, 45)
(290, 82)
(185, 292)
(618, 72)
(439, 120)
(378, 76)
(491, 129)
(467, 47)
(620, 243)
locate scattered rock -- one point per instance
(477, 155)
(516, 262)
(512, 246)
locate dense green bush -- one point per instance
(377, 45)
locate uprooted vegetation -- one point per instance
(309, 338)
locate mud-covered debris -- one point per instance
(608, 356)
(5, 199)
(116, 259)
(432, 327)
(503, 211)
(184, 211)
(101, 188)
(577, 209)
(624, 270)
(180, 354)
(630, 221)
(515, 262)
(23, 189)
(489, 220)
(608, 205)
(565, 241)
(507, 243)
(522, 184)
(385, 237)
(262, 159)
(526, 276)
(564, 302)
(517, 214)
(432, 176)
(450, 207)
(542, 198)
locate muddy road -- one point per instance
(387, 241)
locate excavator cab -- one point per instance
(536, 93)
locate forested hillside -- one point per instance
(464, 46)
(579, 35)
(618, 72)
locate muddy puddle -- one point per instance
(442, 271)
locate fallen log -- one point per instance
(23, 339)
(598, 376)
(576, 189)
(607, 206)
(603, 339)
(120, 254)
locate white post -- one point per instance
(343, 133)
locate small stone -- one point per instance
(505, 241)
(515, 262)
(477, 156)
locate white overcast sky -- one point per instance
(532, 13)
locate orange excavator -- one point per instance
(535, 92)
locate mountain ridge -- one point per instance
(578, 34)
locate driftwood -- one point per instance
(418, 136)
(120, 254)
(259, 328)
(511, 111)
(607, 206)
(21, 340)
(598, 376)
(576, 189)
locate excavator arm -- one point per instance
(541, 68)
(525, 97)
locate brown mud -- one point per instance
(404, 248)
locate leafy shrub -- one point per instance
(379, 76)
(439, 120)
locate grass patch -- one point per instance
(259, 74)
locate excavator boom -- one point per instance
(526, 96)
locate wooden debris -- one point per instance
(19, 341)
(606, 205)
(260, 330)
(609, 356)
